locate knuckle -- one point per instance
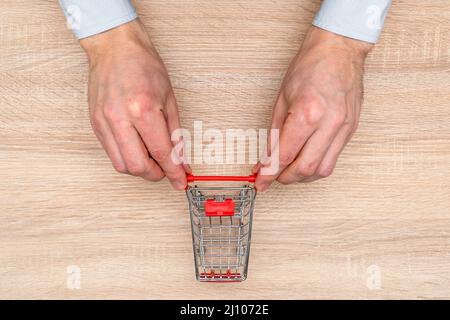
(111, 114)
(138, 110)
(141, 106)
(159, 154)
(120, 168)
(135, 169)
(311, 111)
(287, 157)
(306, 169)
(325, 172)
(337, 118)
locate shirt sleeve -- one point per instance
(357, 19)
(89, 17)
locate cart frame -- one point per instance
(221, 223)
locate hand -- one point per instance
(132, 106)
(318, 107)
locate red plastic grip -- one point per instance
(250, 178)
(215, 208)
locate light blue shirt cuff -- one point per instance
(89, 17)
(357, 19)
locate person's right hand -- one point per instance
(132, 105)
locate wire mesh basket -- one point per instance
(221, 220)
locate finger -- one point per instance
(106, 138)
(173, 123)
(278, 116)
(256, 167)
(329, 161)
(171, 114)
(134, 153)
(113, 152)
(280, 112)
(312, 154)
(153, 128)
(308, 160)
(294, 133)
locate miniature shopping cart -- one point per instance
(221, 219)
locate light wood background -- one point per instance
(385, 212)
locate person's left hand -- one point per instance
(318, 107)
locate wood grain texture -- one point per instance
(386, 207)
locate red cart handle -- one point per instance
(250, 178)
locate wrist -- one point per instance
(120, 38)
(332, 41)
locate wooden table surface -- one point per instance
(70, 227)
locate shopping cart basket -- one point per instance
(221, 220)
